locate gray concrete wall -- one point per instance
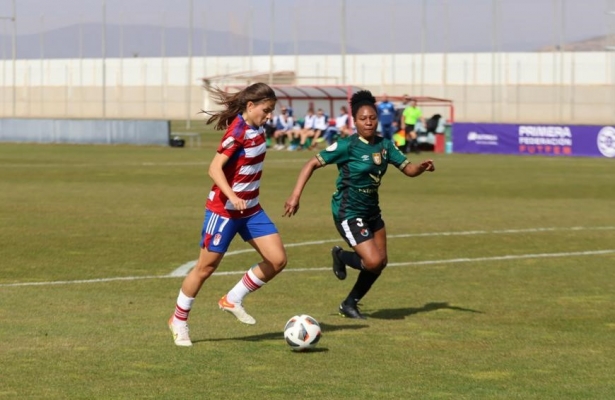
(84, 131)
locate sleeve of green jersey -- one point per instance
(396, 157)
(334, 154)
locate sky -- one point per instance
(372, 26)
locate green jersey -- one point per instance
(361, 166)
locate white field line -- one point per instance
(183, 269)
(401, 264)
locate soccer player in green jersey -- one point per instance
(362, 161)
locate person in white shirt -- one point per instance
(341, 127)
(308, 128)
(320, 125)
(284, 126)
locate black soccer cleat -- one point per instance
(339, 268)
(350, 311)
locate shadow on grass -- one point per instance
(401, 313)
(326, 328)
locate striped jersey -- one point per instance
(246, 147)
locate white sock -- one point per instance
(182, 309)
(248, 284)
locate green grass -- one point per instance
(518, 328)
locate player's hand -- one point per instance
(239, 204)
(291, 206)
(428, 165)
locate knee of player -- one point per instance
(278, 263)
(204, 270)
(374, 264)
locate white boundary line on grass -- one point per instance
(400, 264)
(183, 269)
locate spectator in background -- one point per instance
(386, 117)
(320, 125)
(412, 114)
(269, 130)
(399, 111)
(341, 128)
(283, 126)
(308, 128)
(294, 135)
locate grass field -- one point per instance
(501, 282)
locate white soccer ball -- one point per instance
(302, 332)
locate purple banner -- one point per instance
(549, 140)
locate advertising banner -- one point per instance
(547, 140)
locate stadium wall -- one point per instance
(556, 87)
(85, 131)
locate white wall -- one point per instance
(557, 87)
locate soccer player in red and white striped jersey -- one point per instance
(233, 207)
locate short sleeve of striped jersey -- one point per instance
(231, 141)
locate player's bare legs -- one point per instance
(270, 247)
(205, 266)
(373, 252)
(272, 250)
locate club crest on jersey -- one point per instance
(217, 238)
(364, 232)
(377, 158)
(228, 142)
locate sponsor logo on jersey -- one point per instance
(332, 147)
(377, 158)
(365, 157)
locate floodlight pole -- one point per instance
(423, 43)
(251, 40)
(14, 58)
(271, 32)
(13, 18)
(494, 49)
(42, 55)
(611, 48)
(343, 41)
(189, 77)
(104, 59)
(392, 33)
(81, 55)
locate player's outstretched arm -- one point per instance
(291, 206)
(413, 170)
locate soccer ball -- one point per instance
(302, 332)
